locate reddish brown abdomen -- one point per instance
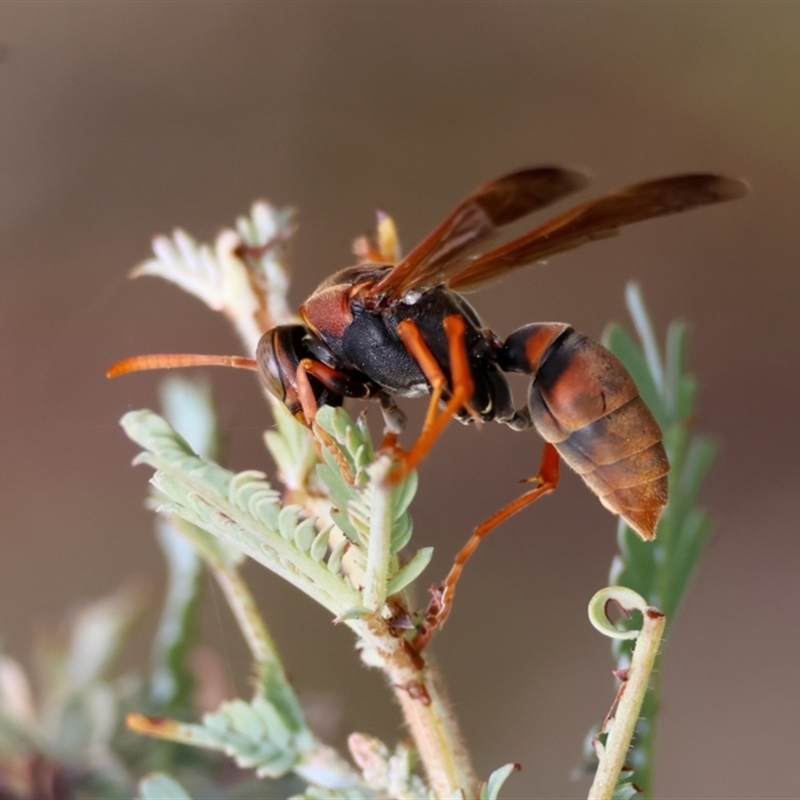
(583, 400)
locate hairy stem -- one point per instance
(629, 706)
(427, 711)
(380, 536)
(437, 736)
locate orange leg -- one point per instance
(335, 380)
(546, 481)
(309, 405)
(463, 386)
(305, 393)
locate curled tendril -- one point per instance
(620, 721)
(622, 597)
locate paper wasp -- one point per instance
(387, 327)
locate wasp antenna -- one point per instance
(173, 360)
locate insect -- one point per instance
(390, 327)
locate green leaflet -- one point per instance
(661, 571)
(220, 502)
(158, 786)
(491, 789)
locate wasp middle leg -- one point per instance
(461, 390)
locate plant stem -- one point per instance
(380, 536)
(417, 685)
(251, 623)
(646, 739)
(428, 714)
(643, 658)
(438, 738)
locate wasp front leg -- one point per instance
(338, 384)
(335, 386)
(289, 370)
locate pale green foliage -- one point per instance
(158, 786)
(171, 681)
(625, 790)
(491, 789)
(386, 771)
(292, 447)
(73, 716)
(352, 503)
(242, 511)
(339, 534)
(660, 571)
(244, 515)
(190, 407)
(251, 294)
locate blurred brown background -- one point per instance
(123, 120)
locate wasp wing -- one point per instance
(476, 218)
(598, 219)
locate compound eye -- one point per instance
(269, 363)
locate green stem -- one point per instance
(251, 623)
(428, 714)
(380, 535)
(612, 757)
(417, 685)
(646, 739)
(438, 737)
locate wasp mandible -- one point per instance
(382, 329)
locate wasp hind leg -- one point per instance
(545, 482)
(461, 392)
